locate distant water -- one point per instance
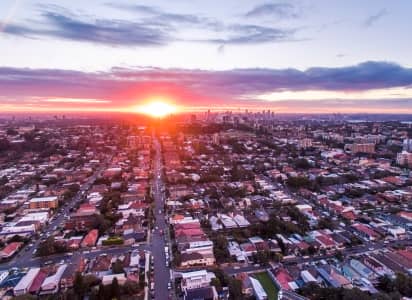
(358, 121)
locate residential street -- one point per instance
(161, 270)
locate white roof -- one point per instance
(258, 289)
(134, 259)
(44, 199)
(307, 277)
(38, 216)
(199, 273)
(256, 239)
(27, 280)
(303, 206)
(108, 279)
(241, 220)
(227, 221)
(52, 281)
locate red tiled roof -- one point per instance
(283, 278)
(248, 247)
(11, 248)
(38, 280)
(405, 214)
(189, 232)
(86, 206)
(303, 245)
(91, 238)
(366, 230)
(138, 205)
(73, 243)
(192, 225)
(350, 215)
(325, 240)
(405, 253)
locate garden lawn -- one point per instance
(267, 285)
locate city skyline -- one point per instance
(287, 56)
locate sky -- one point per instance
(325, 56)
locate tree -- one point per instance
(262, 257)
(4, 145)
(16, 238)
(102, 224)
(315, 292)
(115, 290)
(339, 255)
(25, 297)
(298, 182)
(326, 223)
(78, 285)
(355, 293)
(47, 247)
(131, 288)
(101, 293)
(302, 163)
(4, 180)
(117, 267)
(11, 131)
(235, 289)
(220, 248)
(386, 284)
(216, 283)
(403, 284)
(50, 246)
(300, 218)
(89, 281)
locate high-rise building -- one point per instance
(407, 145)
(216, 139)
(44, 202)
(363, 148)
(305, 143)
(404, 158)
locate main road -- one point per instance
(161, 263)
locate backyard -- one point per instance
(267, 285)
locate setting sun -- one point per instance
(157, 109)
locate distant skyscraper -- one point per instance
(305, 143)
(404, 158)
(216, 139)
(407, 145)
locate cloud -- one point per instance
(254, 34)
(144, 9)
(153, 28)
(278, 10)
(157, 15)
(78, 100)
(371, 20)
(123, 87)
(100, 31)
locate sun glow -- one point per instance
(157, 109)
